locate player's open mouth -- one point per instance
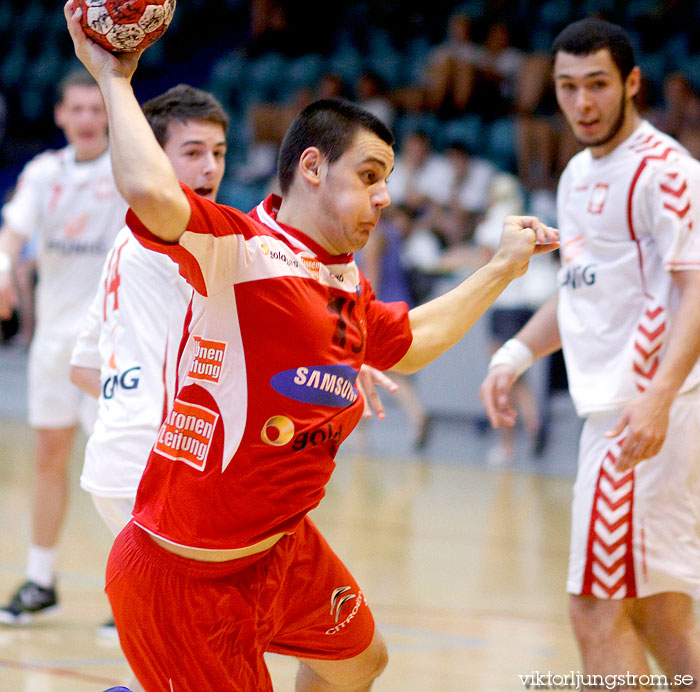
(204, 191)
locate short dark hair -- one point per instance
(592, 34)
(330, 125)
(78, 77)
(180, 104)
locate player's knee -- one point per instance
(664, 617)
(594, 619)
(372, 667)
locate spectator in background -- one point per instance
(467, 193)
(451, 71)
(370, 94)
(420, 175)
(383, 264)
(680, 114)
(269, 122)
(544, 144)
(498, 72)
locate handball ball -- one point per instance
(124, 26)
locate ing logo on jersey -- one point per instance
(327, 385)
(277, 431)
(599, 195)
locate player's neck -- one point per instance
(87, 154)
(299, 213)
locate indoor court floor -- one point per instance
(463, 564)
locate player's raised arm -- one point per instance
(142, 171)
(442, 322)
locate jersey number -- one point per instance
(337, 306)
(113, 280)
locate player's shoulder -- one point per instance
(46, 163)
(655, 149)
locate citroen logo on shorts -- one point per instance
(277, 431)
(338, 598)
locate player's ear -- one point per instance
(58, 115)
(310, 163)
(633, 82)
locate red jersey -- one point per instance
(274, 340)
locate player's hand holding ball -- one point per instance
(125, 26)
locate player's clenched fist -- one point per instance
(522, 237)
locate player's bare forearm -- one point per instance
(541, 332)
(87, 379)
(142, 171)
(10, 246)
(442, 322)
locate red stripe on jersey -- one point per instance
(635, 180)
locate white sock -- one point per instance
(41, 563)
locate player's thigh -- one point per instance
(53, 400)
(319, 611)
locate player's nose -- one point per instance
(380, 196)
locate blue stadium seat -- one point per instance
(304, 71)
(468, 130)
(654, 66)
(240, 195)
(500, 143)
(410, 122)
(553, 15)
(346, 62)
(267, 74)
(388, 64)
(12, 69)
(637, 8)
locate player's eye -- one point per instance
(369, 177)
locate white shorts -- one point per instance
(53, 400)
(637, 534)
(115, 511)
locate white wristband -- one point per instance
(5, 263)
(514, 353)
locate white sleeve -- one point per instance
(674, 201)
(23, 212)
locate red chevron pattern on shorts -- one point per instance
(648, 340)
(609, 571)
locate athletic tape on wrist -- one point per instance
(5, 263)
(514, 353)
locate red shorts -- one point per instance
(189, 626)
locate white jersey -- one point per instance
(76, 210)
(132, 334)
(627, 220)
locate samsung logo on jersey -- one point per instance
(327, 385)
